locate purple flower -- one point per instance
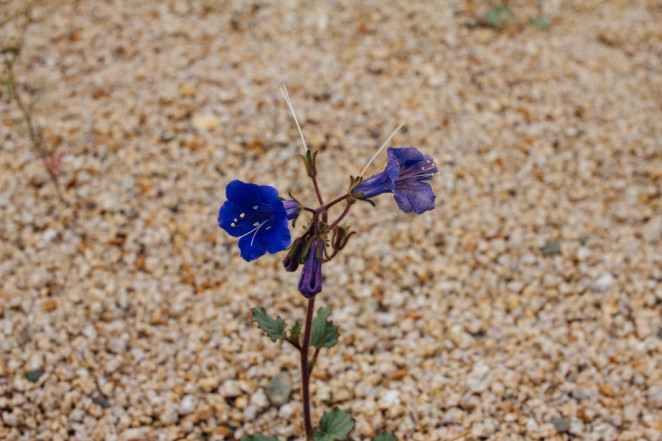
(310, 282)
(256, 215)
(404, 176)
(292, 208)
(291, 261)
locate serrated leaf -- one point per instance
(334, 426)
(258, 437)
(275, 328)
(324, 333)
(386, 436)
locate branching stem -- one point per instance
(342, 215)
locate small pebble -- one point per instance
(34, 375)
(188, 404)
(561, 424)
(279, 389)
(484, 318)
(551, 248)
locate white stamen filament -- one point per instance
(255, 230)
(423, 173)
(381, 148)
(289, 104)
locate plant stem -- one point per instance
(34, 132)
(334, 202)
(317, 191)
(313, 362)
(305, 373)
(342, 215)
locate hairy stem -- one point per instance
(305, 372)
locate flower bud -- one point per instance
(341, 235)
(292, 209)
(310, 282)
(291, 261)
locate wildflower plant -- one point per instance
(260, 218)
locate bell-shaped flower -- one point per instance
(310, 282)
(405, 175)
(256, 215)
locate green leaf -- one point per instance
(334, 426)
(258, 437)
(275, 329)
(386, 436)
(324, 333)
(539, 22)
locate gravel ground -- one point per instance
(528, 305)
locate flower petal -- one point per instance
(242, 193)
(230, 219)
(270, 196)
(257, 216)
(417, 197)
(401, 158)
(252, 247)
(374, 186)
(280, 239)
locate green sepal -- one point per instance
(309, 162)
(258, 437)
(305, 249)
(295, 333)
(335, 425)
(323, 333)
(353, 183)
(341, 235)
(386, 436)
(275, 328)
(370, 201)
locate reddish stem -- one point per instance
(305, 373)
(334, 202)
(317, 191)
(342, 215)
(313, 362)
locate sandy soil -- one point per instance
(526, 306)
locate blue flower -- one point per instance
(256, 215)
(404, 176)
(310, 282)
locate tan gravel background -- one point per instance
(463, 323)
